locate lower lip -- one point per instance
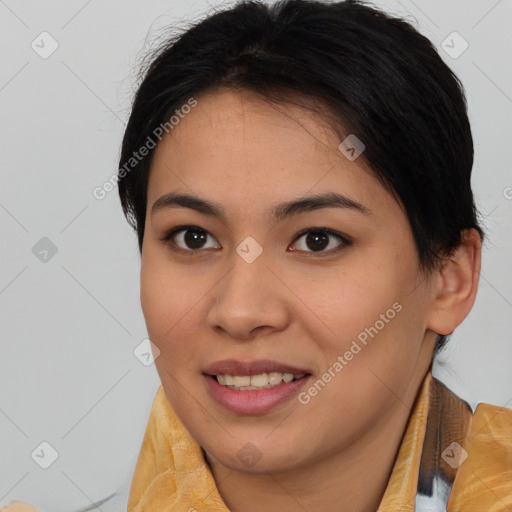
(255, 401)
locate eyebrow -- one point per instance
(277, 213)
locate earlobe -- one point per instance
(456, 284)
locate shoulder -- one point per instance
(484, 477)
(18, 506)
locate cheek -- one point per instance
(353, 301)
(173, 304)
(155, 297)
(164, 299)
(370, 306)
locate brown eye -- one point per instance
(194, 239)
(189, 238)
(319, 240)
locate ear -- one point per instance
(455, 285)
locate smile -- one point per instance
(253, 382)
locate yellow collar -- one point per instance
(172, 474)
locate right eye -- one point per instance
(187, 239)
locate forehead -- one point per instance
(237, 145)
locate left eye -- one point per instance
(318, 240)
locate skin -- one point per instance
(291, 304)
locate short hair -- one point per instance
(377, 77)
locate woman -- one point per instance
(299, 179)
(307, 223)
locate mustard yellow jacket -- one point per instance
(450, 460)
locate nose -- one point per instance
(249, 299)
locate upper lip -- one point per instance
(234, 367)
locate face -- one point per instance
(332, 290)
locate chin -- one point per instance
(250, 459)
(262, 467)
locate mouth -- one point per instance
(253, 387)
(259, 381)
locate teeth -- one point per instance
(275, 378)
(241, 380)
(260, 381)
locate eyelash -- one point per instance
(345, 241)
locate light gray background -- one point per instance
(69, 326)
